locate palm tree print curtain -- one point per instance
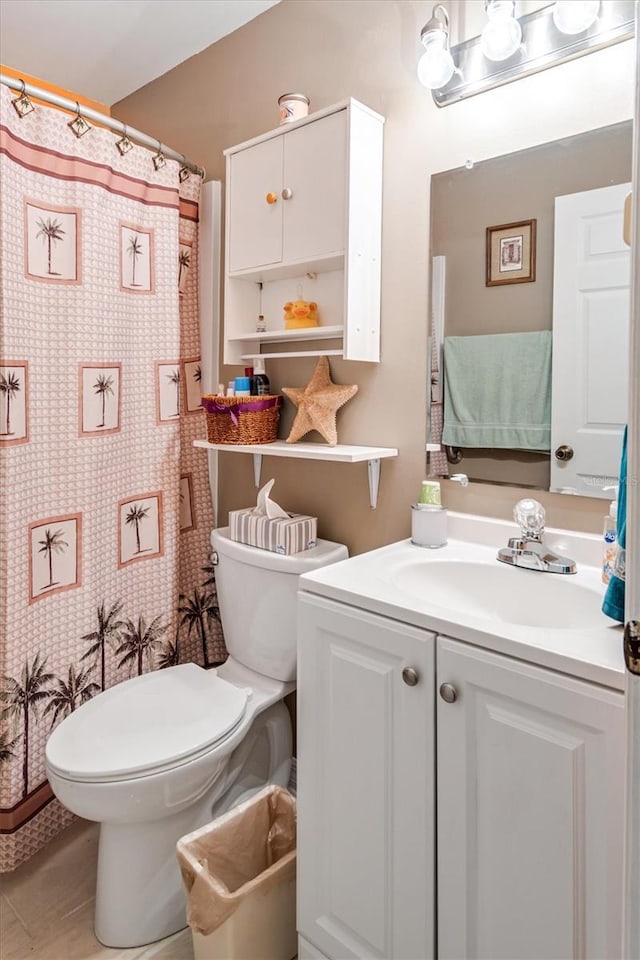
(106, 514)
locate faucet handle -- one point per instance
(529, 515)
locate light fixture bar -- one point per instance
(543, 46)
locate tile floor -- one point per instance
(46, 907)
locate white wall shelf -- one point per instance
(291, 353)
(268, 272)
(306, 333)
(341, 453)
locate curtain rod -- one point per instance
(102, 118)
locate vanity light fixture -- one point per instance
(575, 16)
(502, 35)
(436, 66)
(510, 48)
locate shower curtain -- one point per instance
(106, 511)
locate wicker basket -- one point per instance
(242, 419)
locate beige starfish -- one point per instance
(318, 404)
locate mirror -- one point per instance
(515, 189)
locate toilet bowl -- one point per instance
(159, 755)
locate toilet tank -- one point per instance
(257, 595)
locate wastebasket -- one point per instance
(240, 876)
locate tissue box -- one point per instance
(289, 534)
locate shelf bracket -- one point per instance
(373, 468)
(257, 469)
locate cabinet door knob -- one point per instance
(287, 193)
(448, 693)
(271, 198)
(410, 676)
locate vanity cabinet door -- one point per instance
(529, 810)
(365, 784)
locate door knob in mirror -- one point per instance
(564, 453)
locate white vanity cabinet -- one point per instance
(528, 817)
(530, 812)
(304, 222)
(365, 784)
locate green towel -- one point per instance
(498, 391)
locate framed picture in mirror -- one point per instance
(511, 253)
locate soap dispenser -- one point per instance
(259, 382)
(609, 537)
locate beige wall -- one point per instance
(368, 49)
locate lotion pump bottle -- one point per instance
(259, 381)
(610, 537)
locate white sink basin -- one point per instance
(463, 591)
(498, 592)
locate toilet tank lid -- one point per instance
(146, 723)
(324, 553)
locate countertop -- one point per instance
(373, 581)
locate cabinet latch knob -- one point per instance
(410, 676)
(287, 193)
(448, 693)
(271, 198)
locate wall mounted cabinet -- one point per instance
(303, 221)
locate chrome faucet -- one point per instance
(527, 550)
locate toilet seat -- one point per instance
(146, 724)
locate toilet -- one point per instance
(159, 755)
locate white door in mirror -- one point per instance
(590, 387)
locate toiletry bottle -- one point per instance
(609, 536)
(242, 386)
(259, 381)
(429, 517)
(430, 492)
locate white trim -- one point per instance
(631, 914)
(210, 232)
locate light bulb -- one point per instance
(435, 67)
(502, 35)
(575, 16)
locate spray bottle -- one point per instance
(610, 536)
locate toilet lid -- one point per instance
(146, 723)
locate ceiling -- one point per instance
(106, 49)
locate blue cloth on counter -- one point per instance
(498, 391)
(613, 603)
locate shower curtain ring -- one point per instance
(184, 170)
(124, 144)
(159, 159)
(21, 104)
(79, 125)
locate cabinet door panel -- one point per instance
(255, 226)
(365, 785)
(530, 775)
(315, 170)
